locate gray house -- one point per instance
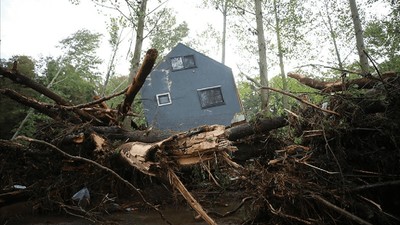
(188, 89)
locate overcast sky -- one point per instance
(35, 27)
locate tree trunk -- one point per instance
(333, 36)
(110, 69)
(280, 54)
(359, 36)
(224, 14)
(262, 51)
(139, 40)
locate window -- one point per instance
(163, 99)
(210, 97)
(182, 62)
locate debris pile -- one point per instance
(336, 164)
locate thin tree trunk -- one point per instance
(333, 36)
(280, 54)
(262, 51)
(111, 67)
(139, 40)
(224, 14)
(359, 36)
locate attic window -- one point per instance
(210, 97)
(182, 62)
(163, 99)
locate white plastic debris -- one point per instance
(82, 196)
(19, 187)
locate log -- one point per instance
(155, 135)
(138, 80)
(361, 83)
(261, 126)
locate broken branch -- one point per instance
(139, 80)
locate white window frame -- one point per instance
(163, 94)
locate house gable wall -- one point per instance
(185, 110)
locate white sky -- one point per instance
(35, 27)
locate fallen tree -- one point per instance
(360, 83)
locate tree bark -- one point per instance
(139, 39)
(359, 37)
(154, 135)
(333, 36)
(280, 54)
(262, 52)
(139, 80)
(361, 83)
(224, 15)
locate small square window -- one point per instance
(210, 97)
(182, 62)
(163, 99)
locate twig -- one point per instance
(340, 210)
(99, 166)
(219, 215)
(377, 185)
(330, 67)
(280, 213)
(376, 69)
(317, 168)
(333, 154)
(301, 100)
(100, 100)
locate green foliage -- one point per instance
(167, 33)
(117, 84)
(80, 53)
(250, 97)
(11, 112)
(383, 42)
(294, 87)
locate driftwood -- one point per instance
(361, 83)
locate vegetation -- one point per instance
(351, 131)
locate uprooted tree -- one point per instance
(348, 147)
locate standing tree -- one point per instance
(224, 6)
(115, 31)
(141, 16)
(333, 33)
(280, 53)
(359, 37)
(262, 53)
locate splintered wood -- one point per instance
(184, 149)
